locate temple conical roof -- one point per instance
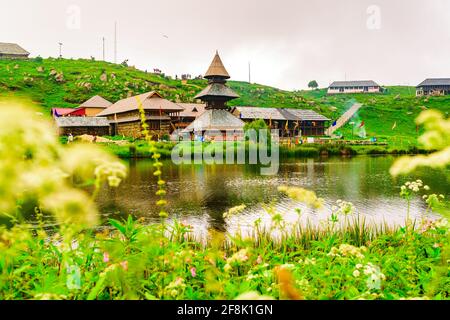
(217, 90)
(216, 69)
(216, 120)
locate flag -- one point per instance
(334, 124)
(394, 126)
(287, 126)
(314, 123)
(115, 117)
(362, 124)
(296, 125)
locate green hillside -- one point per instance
(67, 83)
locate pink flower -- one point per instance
(105, 257)
(259, 260)
(124, 265)
(193, 272)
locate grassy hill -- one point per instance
(67, 83)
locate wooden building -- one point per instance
(191, 112)
(289, 122)
(78, 126)
(12, 51)
(125, 119)
(217, 117)
(366, 86)
(95, 105)
(433, 87)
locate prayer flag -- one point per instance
(394, 126)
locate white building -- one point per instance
(366, 86)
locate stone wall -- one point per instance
(79, 131)
(133, 129)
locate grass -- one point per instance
(380, 112)
(140, 149)
(133, 261)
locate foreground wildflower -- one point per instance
(302, 195)
(35, 169)
(253, 295)
(234, 211)
(436, 137)
(286, 282)
(346, 250)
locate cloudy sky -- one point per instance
(288, 42)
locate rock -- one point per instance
(59, 77)
(40, 69)
(104, 77)
(16, 66)
(53, 72)
(88, 86)
(113, 76)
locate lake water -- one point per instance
(199, 194)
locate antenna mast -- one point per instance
(103, 48)
(115, 42)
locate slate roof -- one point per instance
(96, 102)
(66, 122)
(137, 118)
(192, 110)
(307, 115)
(435, 82)
(279, 114)
(260, 113)
(216, 119)
(13, 49)
(150, 101)
(363, 83)
(217, 90)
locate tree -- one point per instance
(313, 84)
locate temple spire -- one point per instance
(216, 69)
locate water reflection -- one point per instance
(200, 194)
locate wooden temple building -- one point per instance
(289, 122)
(191, 112)
(125, 119)
(217, 117)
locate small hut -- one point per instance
(78, 126)
(12, 51)
(95, 105)
(433, 87)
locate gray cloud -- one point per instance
(288, 42)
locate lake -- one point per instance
(199, 194)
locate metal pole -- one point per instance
(115, 42)
(60, 49)
(103, 48)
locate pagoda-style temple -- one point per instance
(216, 117)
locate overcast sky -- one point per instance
(288, 42)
